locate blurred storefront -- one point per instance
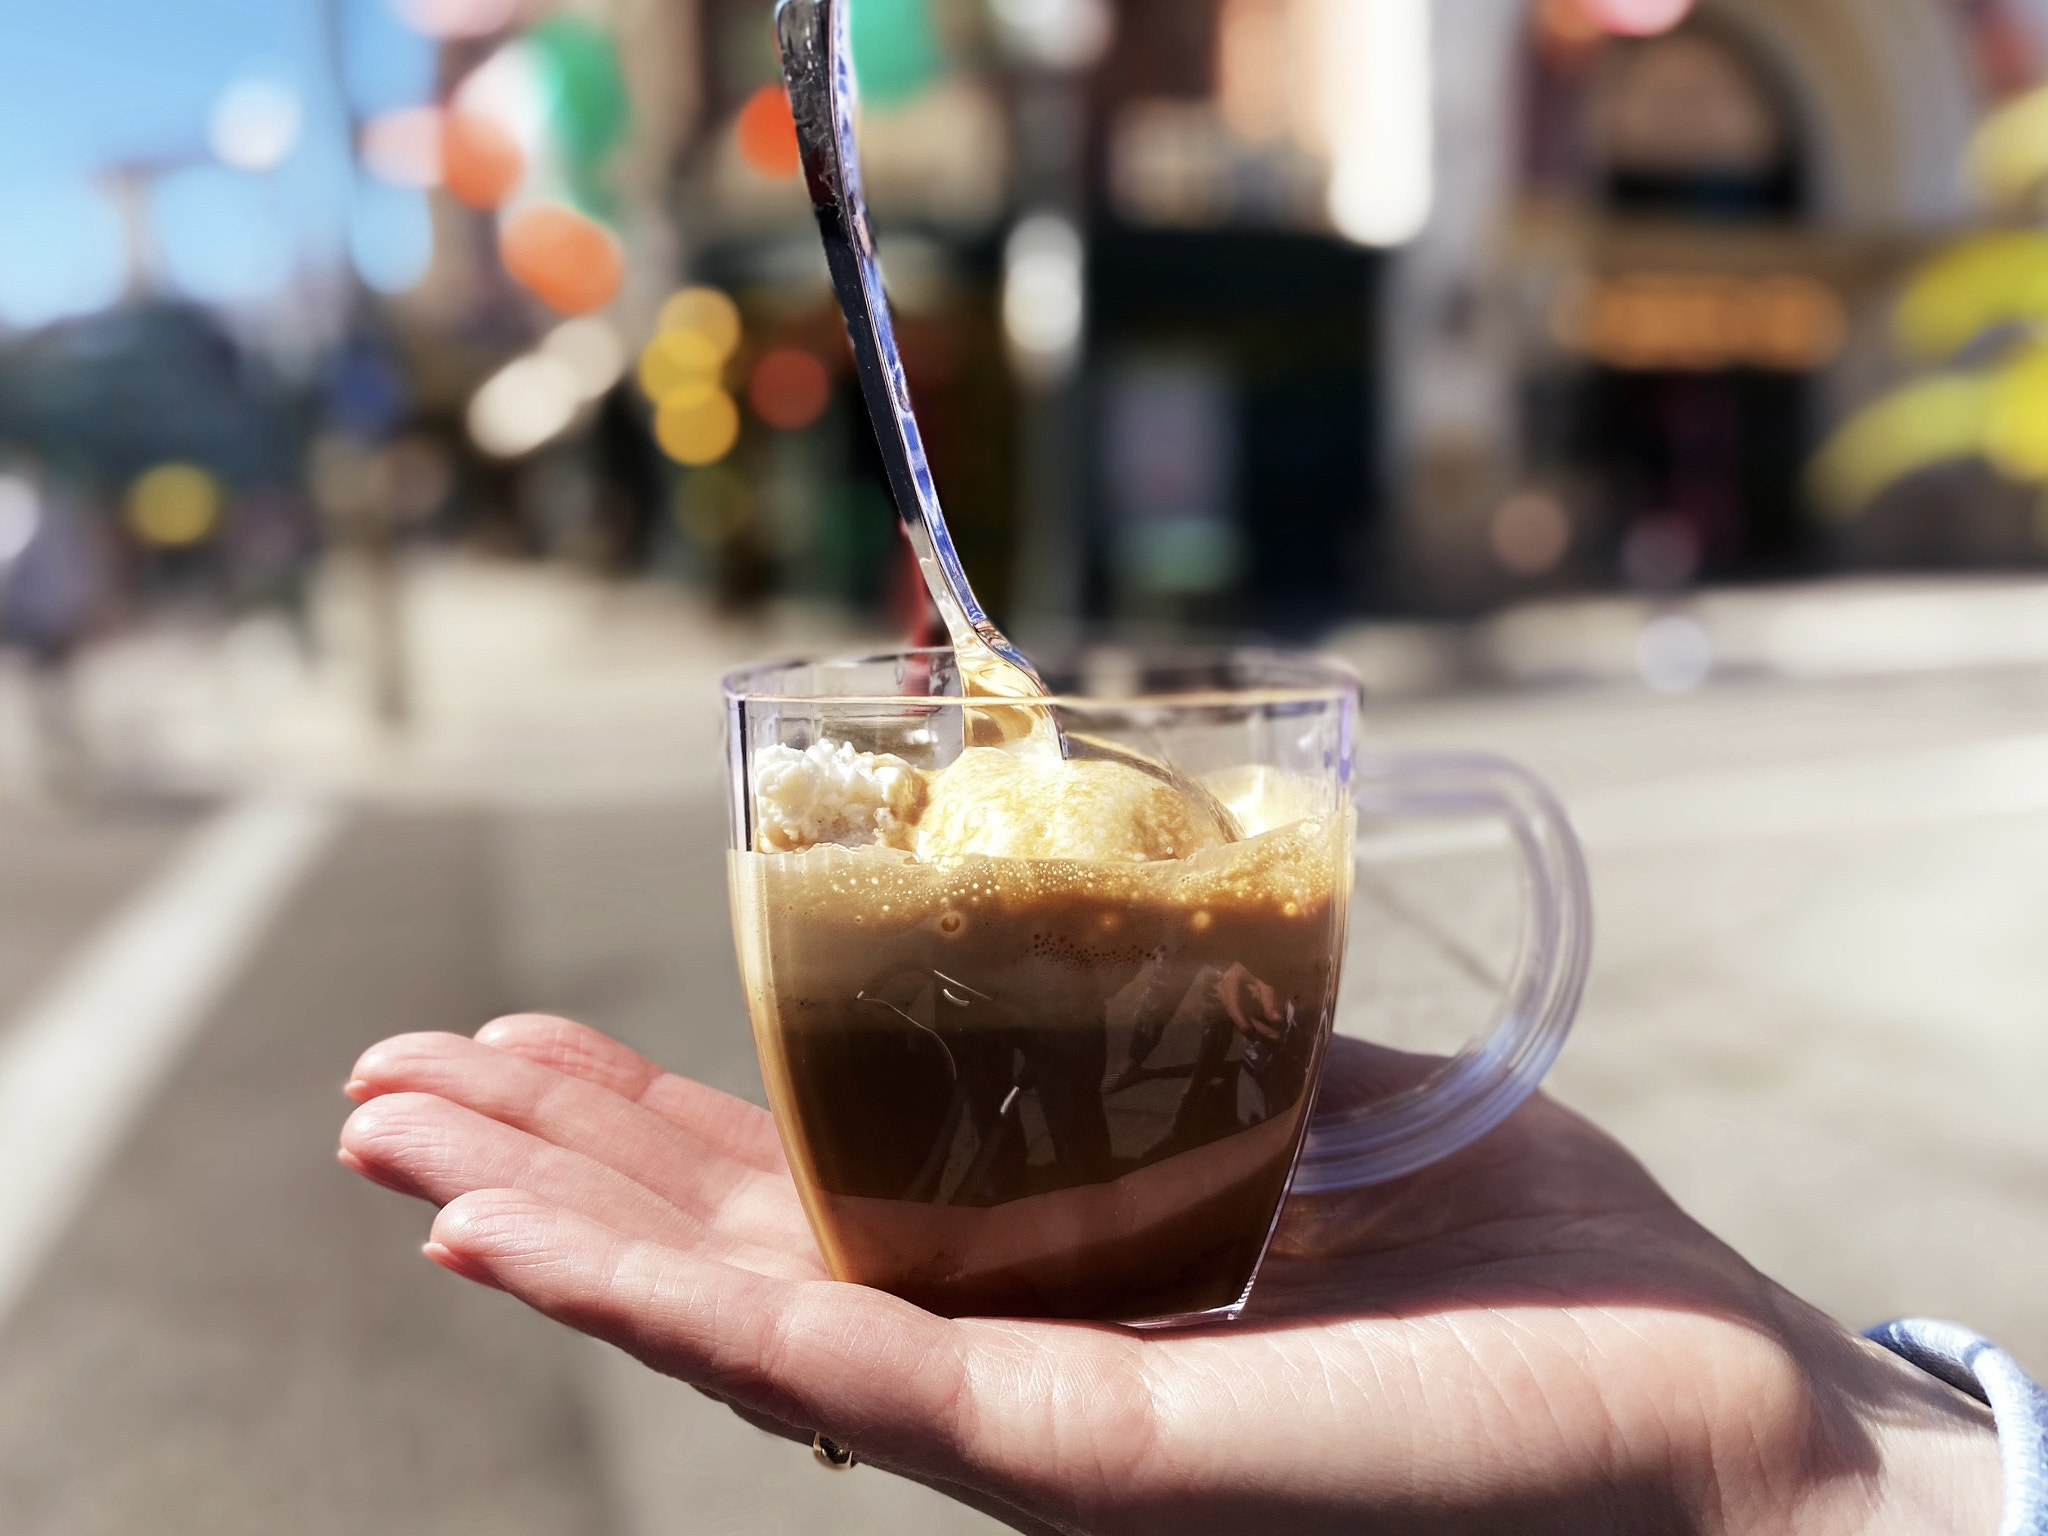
(1668, 249)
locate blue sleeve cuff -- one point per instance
(1977, 1367)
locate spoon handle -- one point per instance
(817, 64)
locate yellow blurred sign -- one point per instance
(1702, 322)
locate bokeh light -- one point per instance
(674, 359)
(895, 49)
(1928, 422)
(695, 420)
(1674, 653)
(1530, 533)
(404, 147)
(481, 162)
(21, 510)
(1043, 295)
(577, 65)
(1058, 34)
(255, 124)
(767, 134)
(1567, 22)
(708, 312)
(2008, 157)
(591, 350)
(174, 505)
(2016, 426)
(1976, 285)
(1377, 117)
(1636, 18)
(789, 388)
(566, 259)
(697, 424)
(524, 405)
(457, 18)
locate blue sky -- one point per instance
(88, 84)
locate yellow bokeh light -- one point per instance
(697, 424)
(676, 360)
(1932, 421)
(1991, 280)
(707, 312)
(174, 505)
(2016, 431)
(2008, 157)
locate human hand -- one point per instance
(1529, 1336)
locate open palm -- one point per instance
(1529, 1336)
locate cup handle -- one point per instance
(1482, 1085)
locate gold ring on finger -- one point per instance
(831, 1453)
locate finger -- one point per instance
(868, 1370)
(426, 1146)
(683, 1168)
(989, 1411)
(742, 1130)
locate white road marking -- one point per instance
(80, 1061)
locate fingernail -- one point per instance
(356, 1088)
(456, 1264)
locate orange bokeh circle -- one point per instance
(480, 161)
(789, 388)
(568, 260)
(767, 134)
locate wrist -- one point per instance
(1889, 1451)
(1940, 1472)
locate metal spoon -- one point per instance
(817, 63)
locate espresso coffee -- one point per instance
(1049, 1087)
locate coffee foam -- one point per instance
(1290, 870)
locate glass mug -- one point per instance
(1032, 1087)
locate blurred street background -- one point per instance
(409, 408)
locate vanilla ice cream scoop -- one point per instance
(990, 802)
(830, 793)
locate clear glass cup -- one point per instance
(1024, 1086)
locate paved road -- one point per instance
(1816, 1013)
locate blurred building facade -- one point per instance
(1575, 312)
(1662, 266)
(1251, 313)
